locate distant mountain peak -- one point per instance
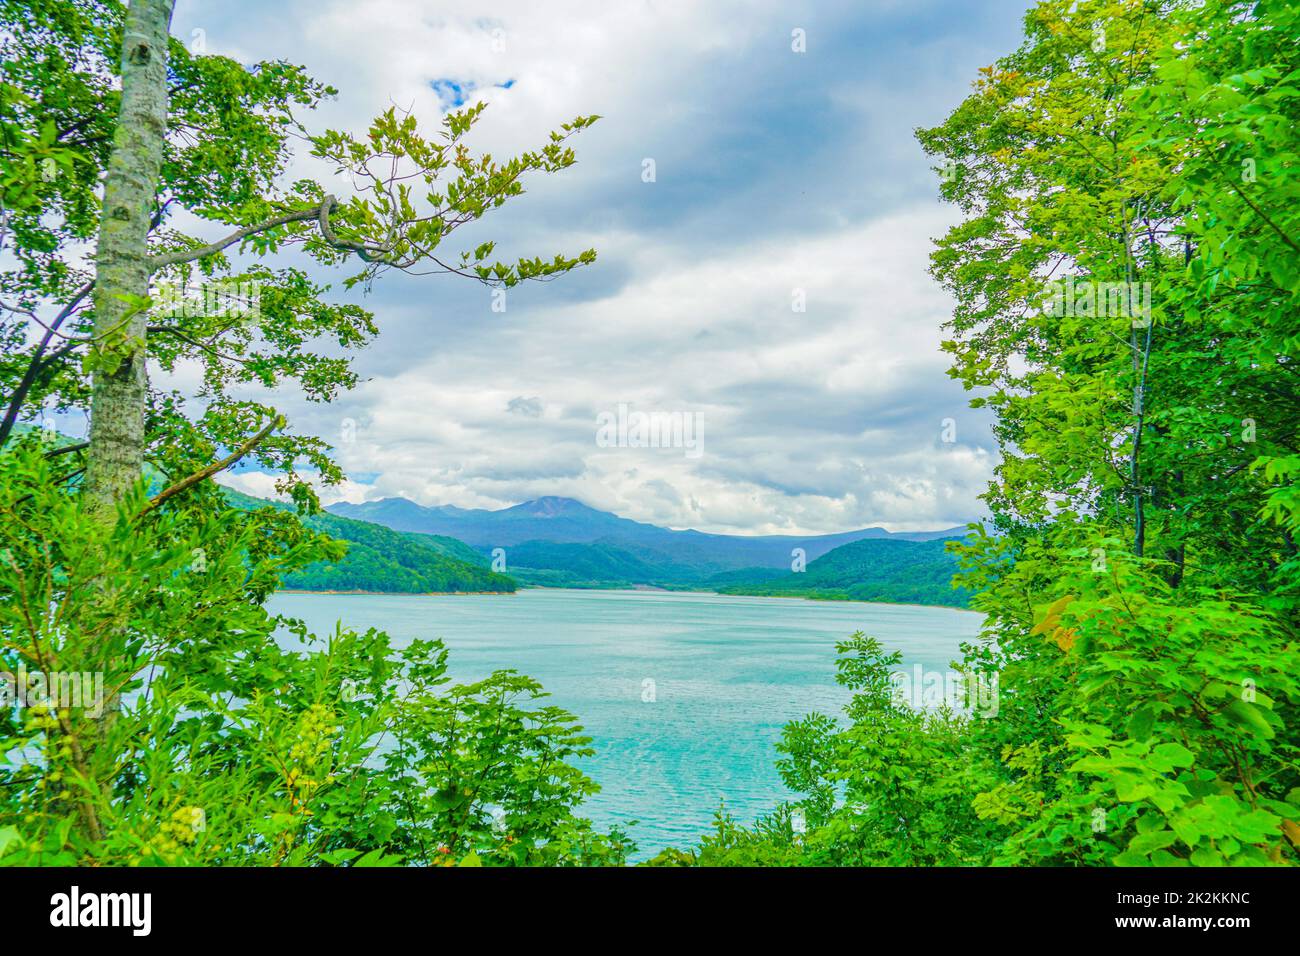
(395, 501)
(550, 506)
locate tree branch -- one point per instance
(211, 469)
(367, 253)
(189, 255)
(38, 364)
(321, 213)
(68, 449)
(172, 330)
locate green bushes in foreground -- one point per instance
(198, 738)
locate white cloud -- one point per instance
(787, 399)
(776, 173)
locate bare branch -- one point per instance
(366, 252)
(211, 469)
(216, 353)
(189, 255)
(39, 363)
(68, 449)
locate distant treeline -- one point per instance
(895, 572)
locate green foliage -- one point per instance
(210, 741)
(1142, 589)
(899, 572)
(770, 842)
(1140, 581)
(231, 132)
(207, 738)
(891, 787)
(382, 224)
(379, 559)
(1140, 578)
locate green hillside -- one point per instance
(896, 572)
(379, 559)
(891, 570)
(600, 564)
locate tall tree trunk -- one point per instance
(115, 458)
(119, 390)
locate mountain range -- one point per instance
(397, 546)
(563, 542)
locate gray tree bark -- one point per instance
(115, 458)
(119, 392)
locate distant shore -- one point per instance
(388, 593)
(633, 590)
(805, 597)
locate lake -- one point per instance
(727, 673)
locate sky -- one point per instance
(768, 285)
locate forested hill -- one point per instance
(898, 572)
(560, 542)
(380, 559)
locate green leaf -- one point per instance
(1249, 716)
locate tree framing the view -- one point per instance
(102, 576)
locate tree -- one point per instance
(202, 134)
(233, 747)
(1139, 577)
(1138, 592)
(160, 595)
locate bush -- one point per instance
(202, 739)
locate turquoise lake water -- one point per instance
(727, 673)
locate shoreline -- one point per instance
(803, 597)
(389, 593)
(630, 590)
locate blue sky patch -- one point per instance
(453, 93)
